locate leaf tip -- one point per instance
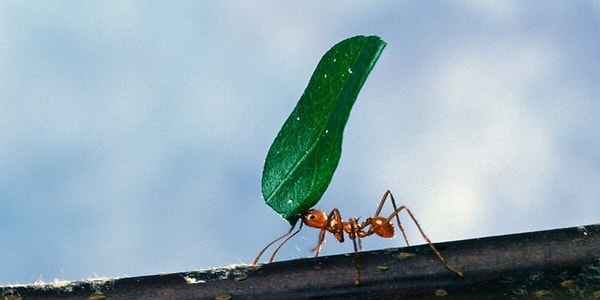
(293, 219)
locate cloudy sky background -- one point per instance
(133, 134)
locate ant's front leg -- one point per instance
(332, 223)
(335, 225)
(320, 243)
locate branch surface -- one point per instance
(553, 264)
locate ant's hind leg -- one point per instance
(433, 248)
(389, 194)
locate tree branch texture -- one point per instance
(553, 264)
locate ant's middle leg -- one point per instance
(354, 236)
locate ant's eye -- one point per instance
(311, 217)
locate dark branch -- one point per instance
(560, 264)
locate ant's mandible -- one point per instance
(334, 223)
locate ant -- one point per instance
(334, 223)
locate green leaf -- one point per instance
(307, 149)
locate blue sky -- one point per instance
(133, 134)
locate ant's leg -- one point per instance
(275, 241)
(381, 203)
(354, 228)
(360, 244)
(333, 225)
(433, 248)
(321, 241)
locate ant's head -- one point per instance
(314, 218)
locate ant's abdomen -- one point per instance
(382, 227)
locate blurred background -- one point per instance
(133, 134)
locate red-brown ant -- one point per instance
(334, 223)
